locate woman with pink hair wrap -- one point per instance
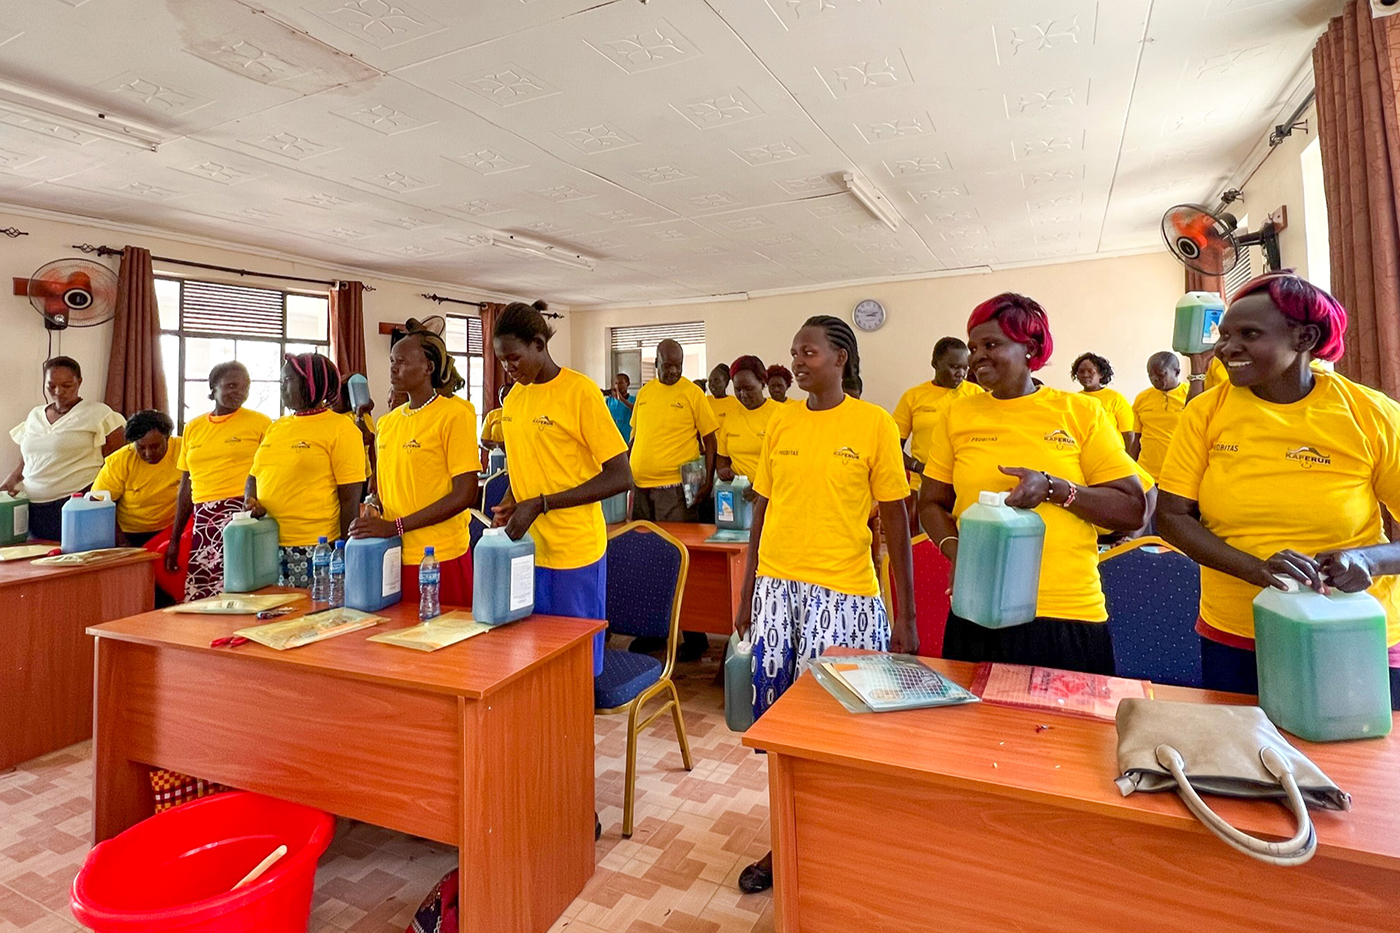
(1052, 451)
(1282, 472)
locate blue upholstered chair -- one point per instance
(1154, 598)
(646, 579)
(477, 522)
(493, 490)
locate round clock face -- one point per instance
(869, 315)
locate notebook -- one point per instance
(1094, 696)
(878, 683)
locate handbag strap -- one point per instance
(1294, 851)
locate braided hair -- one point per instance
(841, 337)
(319, 375)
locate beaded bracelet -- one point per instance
(398, 526)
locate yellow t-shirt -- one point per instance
(559, 434)
(1062, 433)
(1120, 412)
(420, 451)
(301, 461)
(1310, 476)
(491, 427)
(667, 424)
(145, 493)
(740, 437)
(822, 472)
(1155, 416)
(218, 452)
(1217, 376)
(369, 423)
(913, 416)
(722, 408)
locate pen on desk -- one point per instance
(274, 613)
(228, 641)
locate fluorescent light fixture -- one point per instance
(30, 104)
(876, 203)
(516, 245)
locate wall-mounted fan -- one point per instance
(1209, 242)
(71, 293)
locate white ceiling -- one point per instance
(692, 147)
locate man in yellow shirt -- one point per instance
(913, 416)
(143, 477)
(672, 424)
(1156, 411)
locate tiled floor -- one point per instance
(694, 832)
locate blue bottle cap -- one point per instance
(428, 551)
(339, 544)
(322, 540)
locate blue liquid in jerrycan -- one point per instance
(1322, 663)
(998, 571)
(373, 573)
(503, 578)
(251, 557)
(357, 388)
(733, 512)
(88, 522)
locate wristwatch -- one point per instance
(1196, 377)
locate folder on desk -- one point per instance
(446, 629)
(878, 683)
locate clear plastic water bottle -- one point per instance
(337, 591)
(321, 571)
(429, 581)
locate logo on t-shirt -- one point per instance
(1308, 457)
(542, 422)
(235, 439)
(1226, 448)
(1061, 438)
(982, 439)
(787, 453)
(412, 444)
(846, 453)
(678, 405)
(301, 445)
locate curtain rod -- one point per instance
(109, 251)
(477, 304)
(13, 232)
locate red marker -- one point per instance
(228, 641)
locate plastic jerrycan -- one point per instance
(615, 508)
(89, 522)
(251, 558)
(495, 461)
(998, 569)
(738, 684)
(1197, 322)
(373, 573)
(357, 388)
(14, 519)
(732, 510)
(503, 578)
(1322, 663)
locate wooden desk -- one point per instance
(45, 654)
(967, 818)
(716, 578)
(486, 745)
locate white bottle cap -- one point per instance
(1290, 585)
(992, 498)
(242, 517)
(494, 531)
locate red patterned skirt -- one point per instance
(205, 575)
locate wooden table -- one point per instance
(969, 819)
(715, 581)
(45, 654)
(486, 745)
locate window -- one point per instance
(204, 323)
(634, 349)
(464, 342)
(1244, 269)
(1315, 227)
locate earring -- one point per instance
(1028, 356)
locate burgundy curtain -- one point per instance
(348, 327)
(494, 374)
(1357, 69)
(135, 378)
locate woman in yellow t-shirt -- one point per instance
(426, 468)
(215, 458)
(740, 435)
(1282, 472)
(1094, 373)
(779, 382)
(810, 582)
(914, 413)
(1055, 452)
(143, 477)
(309, 470)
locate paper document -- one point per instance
(234, 604)
(446, 629)
(887, 682)
(305, 630)
(1094, 696)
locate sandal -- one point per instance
(755, 878)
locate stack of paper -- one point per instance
(886, 682)
(236, 603)
(446, 629)
(1094, 696)
(306, 630)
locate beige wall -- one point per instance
(1120, 308)
(1278, 182)
(25, 343)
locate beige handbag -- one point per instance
(1233, 751)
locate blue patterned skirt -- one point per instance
(795, 622)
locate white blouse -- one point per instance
(64, 457)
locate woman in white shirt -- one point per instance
(61, 446)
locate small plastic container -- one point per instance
(1322, 663)
(373, 573)
(251, 557)
(175, 872)
(692, 478)
(503, 578)
(733, 512)
(998, 571)
(357, 388)
(496, 461)
(14, 519)
(1197, 327)
(738, 684)
(88, 522)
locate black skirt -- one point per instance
(1060, 643)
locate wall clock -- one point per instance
(869, 315)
